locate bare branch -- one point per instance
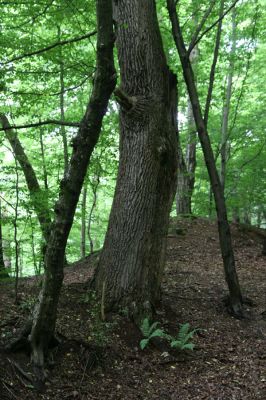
(215, 23)
(52, 46)
(40, 123)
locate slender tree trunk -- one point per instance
(34, 257)
(83, 220)
(3, 273)
(45, 175)
(226, 107)
(133, 257)
(235, 216)
(187, 167)
(210, 213)
(62, 105)
(45, 312)
(38, 197)
(192, 140)
(246, 217)
(223, 225)
(210, 92)
(16, 241)
(6, 243)
(183, 205)
(94, 188)
(260, 216)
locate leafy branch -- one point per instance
(52, 46)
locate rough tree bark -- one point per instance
(236, 302)
(133, 256)
(45, 312)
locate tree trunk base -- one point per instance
(237, 309)
(38, 354)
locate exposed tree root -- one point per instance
(21, 343)
(38, 353)
(236, 310)
(17, 367)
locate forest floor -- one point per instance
(103, 360)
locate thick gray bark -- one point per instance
(223, 225)
(133, 256)
(45, 312)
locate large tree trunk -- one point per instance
(45, 312)
(133, 257)
(223, 225)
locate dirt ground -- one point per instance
(103, 360)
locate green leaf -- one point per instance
(188, 346)
(183, 331)
(143, 343)
(145, 327)
(153, 327)
(157, 333)
(176, 343)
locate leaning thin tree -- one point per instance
(235, 297)
(44, 316)
(133, 257)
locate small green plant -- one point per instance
(150, 331)
(182, 342)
